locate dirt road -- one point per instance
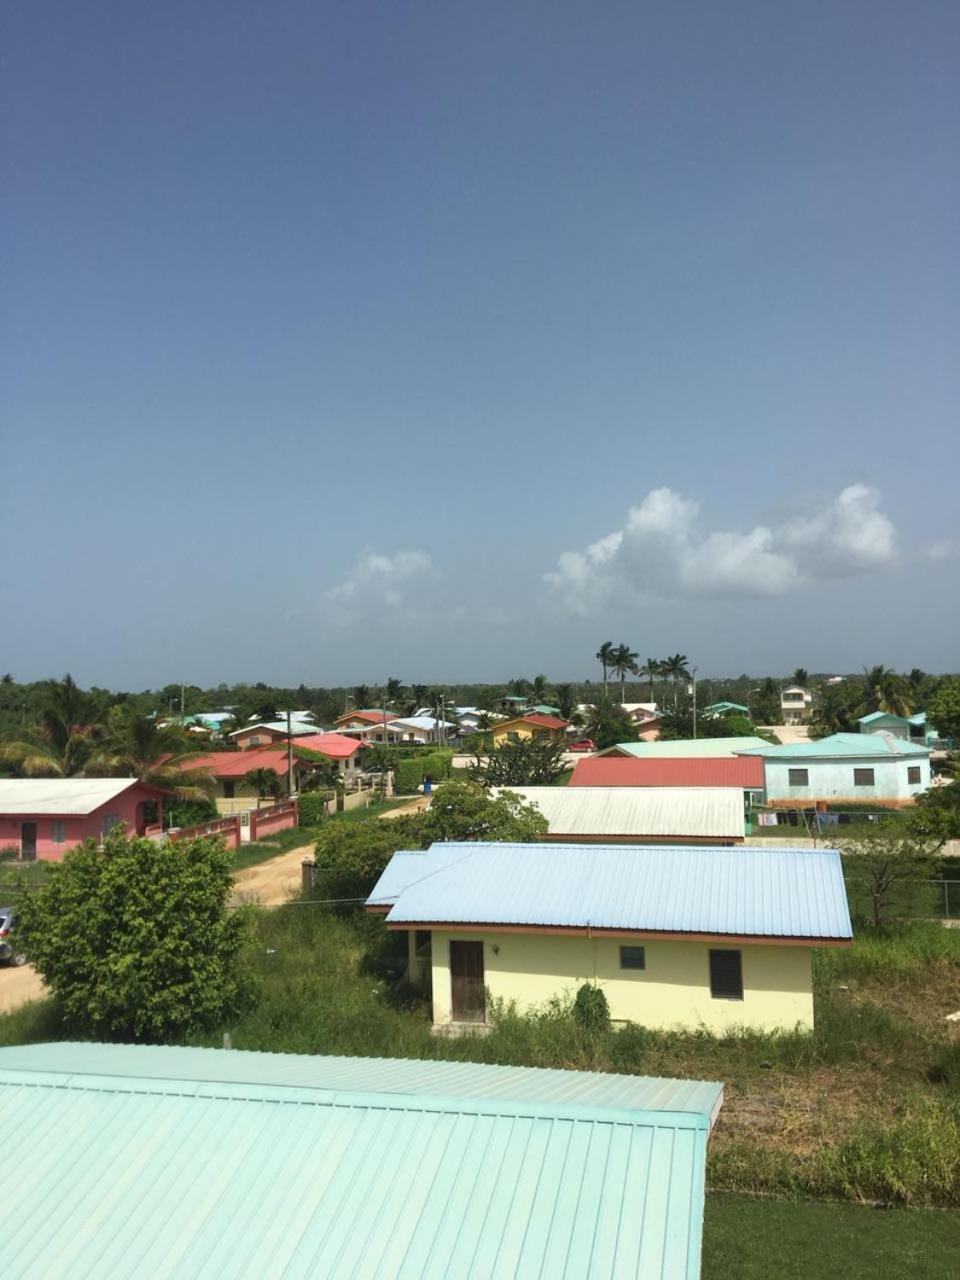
(18, 984)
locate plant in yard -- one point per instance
(833, 711)
(884, 690)
(464, 811)
(361, 697)
(888, 871)
(651, 670)
(801, 677)
(525, 763)
(566, 702)
(162, 756)
(609, 724)
(936, 815)
(265, 782)
(591, 1011)
(943, 710)
(135, 940)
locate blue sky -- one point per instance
(448, 341)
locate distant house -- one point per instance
(359, 719)
(717, 938)
(717, 710)
(264, 733)
(665, 815)
(207, 1162)
(416, 729)
(526, 726)
(696, 748)
(43, 817)
(854, 767)
(911, 728)
(229, 768)
(796, 704)
(743, 773)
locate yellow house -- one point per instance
(533, 725)
(676, 937)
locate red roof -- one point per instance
(699, 771)
(371, 717)
(545, 722)
(336, 746)
(234, 764)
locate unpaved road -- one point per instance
(18, 984)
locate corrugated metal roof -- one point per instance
(622, 771)
(297, 727)
(335, 745)
(846, 745)
(186, 1174)
(714, 813)
(544, 722)
(59, 795)
(698, 747)
(234, 764)
(734, 891)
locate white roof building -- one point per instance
(639, 814)
(59, 795)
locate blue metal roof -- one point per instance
(842, 745)
(732, 891)
(160, 1165)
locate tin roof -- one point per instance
(699, 747)
(622, 771)
(193, 1163)
(544, 722)
(714, 813)
(72, 796)
(850, 745)
(235, 764)
(739, 891)
(334, 745)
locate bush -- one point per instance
(410, 773)
(191, 813)
(134, 939)
(591, 1011)
(312, 807)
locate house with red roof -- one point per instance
(531, 725)
(740, 772)
(229, 768)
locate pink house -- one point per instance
(44, 817)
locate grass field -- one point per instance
(755, 1239)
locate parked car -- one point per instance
(582, 744)
(7, 954)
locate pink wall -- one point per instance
(228, 829)
(127, 807)
(277, 818)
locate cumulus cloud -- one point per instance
(376, 582)
(661, 553)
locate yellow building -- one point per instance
(529, 726)
(676, 937)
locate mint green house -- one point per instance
(855, 767)
(910, 728)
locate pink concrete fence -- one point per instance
(266, 822)
(227, 828)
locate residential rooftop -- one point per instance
(853, 745)
(637, 813)
(698, 747)
(71, 796)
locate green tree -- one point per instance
(676, 669)
(266, 783)
(943, 710)
(464, 811)
(833, 711)
(624, 663)
(801, 677)
(361, 697)
(766, 705)
(394, 691)
(884, 690)
(61, 742)
(135, 939)
(604, 656)
(539, 688)
(936, 815)
(566, 701)
(609, 724)
(526, 763)
(888, 872)
(162, 756)
(651, 670)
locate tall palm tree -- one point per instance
(884, 690)
(652, 669)
(61, 742)
(519, 686)
(831, 713)
(136, 746)
(539, 686)
(361, 696)
(801, 677)
(394, 690)
(676, 669)
(624, 663)
(605, 658)
(565, 702)
(418, 692)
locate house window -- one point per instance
(422, 940)
(109, 821)
(229, 789)
(913, 773)
(254, 741)
(798, 777)
(633, 958)
(58, 832)
(863, 777)
(726, 975)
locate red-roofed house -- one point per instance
(620, 771)
(532, 725)
(230, 767)
(359, 719)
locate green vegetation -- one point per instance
(410, 774)
(943, 710)
(887, 873)
(527, 762)
(758, 1239)
(135, 940)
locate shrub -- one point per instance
(591, 1011)
(313, 807)
(134, 939)
(410, 773)
(191, 813)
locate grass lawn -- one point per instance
(754, 1239)
(248, 855)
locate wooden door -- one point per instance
(28, 840)
(466, 981)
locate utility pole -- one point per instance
(695, 670)
(289, 756)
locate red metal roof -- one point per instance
(234, 764)
(696, 771)
(371, 717)
(337, 746)
(545, 722)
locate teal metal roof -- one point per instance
(850, 745)
(701, 748)
(137, 1161)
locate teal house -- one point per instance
(855, 767)
(911, 728)
(717, 710)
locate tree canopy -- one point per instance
(527, 762)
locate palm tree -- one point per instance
(136, 746)
(361, 696)
(265, 782)
(801, 677)
(418, 693)
(831, 713)
(7, 679)
(519, 686)
(651, 670)
(565, 701)
(605, 658)
(624, 662)
(61, 742)
(539, 686)
(884, 690)
(676, 669)
(394, 690)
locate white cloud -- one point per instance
(377, 582)
(941, 549)
(661, 553)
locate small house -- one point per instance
(165, 1160)
(687, 938)
(667, 815)
(43, 817)
(796, 704)
(694, 748)
(718, 710)
(745, 773)
(266, 732)
(878, 768)
(910, 728)
(532, 725)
